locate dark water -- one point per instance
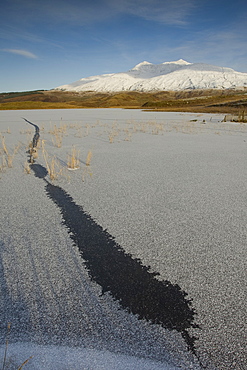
(36, 135)
(130, 282)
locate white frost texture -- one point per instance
(169, 76)
(65, 358)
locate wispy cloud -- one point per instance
(164, 11)
(24, 53)
(85, 12)
(222, 48)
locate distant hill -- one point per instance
(167, 76)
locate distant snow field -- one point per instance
(166, 189)
(178, 75)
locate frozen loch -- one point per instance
(135, 260)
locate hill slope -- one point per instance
(169, 76)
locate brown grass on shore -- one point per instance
(203, 101)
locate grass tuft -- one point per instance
(58, 133)
(73, 162)
(53, 168)
(7, 157)
(27, 168)
(89, 157)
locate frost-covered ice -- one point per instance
(64, 358)
(170, 187)
(179, 75)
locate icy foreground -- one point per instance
(169, 188)
(64, 358)
(179, 75)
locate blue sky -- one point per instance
(44, 44)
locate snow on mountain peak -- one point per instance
(173, 76)
(140, 65)
(179, 61)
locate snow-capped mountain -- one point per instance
(178, 75)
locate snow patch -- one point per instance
(179, 61)
(140, 65)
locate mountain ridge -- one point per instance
(166, 76)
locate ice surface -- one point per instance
(170, 189)
(64, 358)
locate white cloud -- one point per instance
(24, 53)
(222, 48)
(164, 11)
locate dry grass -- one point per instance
(89, 157)
(87, 129)
(112, 135)
(242, 116)
(27, 168)
(53, 169)
(52, 165)
(4, 146)
(57, 141)
(7, 363)
(6, 345)
(86, 172)
(128, 135)
(29, 132)
(8, 131)
(3, 165)
(73, 162)
(7, 159)
(16, 148)
(58, 133)
(24, 363)
(35, 105)
(212, 100)
(33, 152)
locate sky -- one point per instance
(48, 43)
